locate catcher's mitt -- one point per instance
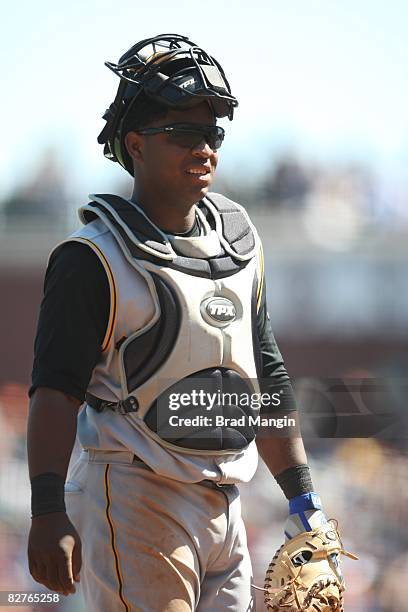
(304, 574)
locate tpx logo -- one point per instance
(218, 310)
(187, 83)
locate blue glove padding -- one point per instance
(307, 501)
(305, 514)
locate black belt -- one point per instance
(130, 404)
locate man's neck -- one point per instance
(169, 217)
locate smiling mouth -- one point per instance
(198, 171)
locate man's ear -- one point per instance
(134, 145)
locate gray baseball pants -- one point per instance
(152, 544)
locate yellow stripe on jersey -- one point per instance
(261, 279)
(112, 287)
(113, 540)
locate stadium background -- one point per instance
(317, 152)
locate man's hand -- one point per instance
(304, 521)
(54, 546)
(54, 552)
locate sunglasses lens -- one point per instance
(191, 138)
(186, 139)
(216, 139)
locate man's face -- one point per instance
(168, 168)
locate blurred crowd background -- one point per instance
(335, 232)
(335, 246)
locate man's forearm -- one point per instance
(51, 431)
(281, 453)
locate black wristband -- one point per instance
(295, 481)
(47, 494)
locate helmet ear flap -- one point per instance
(121, 154)
(111, 134)
(109, 116)
(112, 115)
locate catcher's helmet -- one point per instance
(171, 70)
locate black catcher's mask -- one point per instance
(171, 70)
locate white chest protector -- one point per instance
(182, 319)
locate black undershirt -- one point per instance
(74, 316)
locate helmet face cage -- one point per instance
(172, 70)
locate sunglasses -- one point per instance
(189, 135)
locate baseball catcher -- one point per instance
(155, 351)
